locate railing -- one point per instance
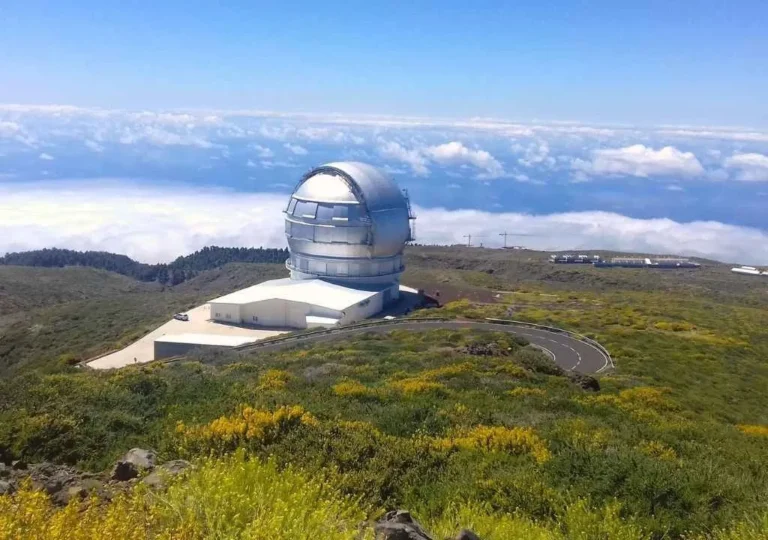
(291, 267)
(554, 329)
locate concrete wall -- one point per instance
(363, 310)
(275, 313)
(227, 313)
(167, 350)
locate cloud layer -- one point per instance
(159, 223)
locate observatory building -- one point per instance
(346, 224)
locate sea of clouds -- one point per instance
(155, 185)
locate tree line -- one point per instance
(178, 271)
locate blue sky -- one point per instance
(695, 62)
(145, 130)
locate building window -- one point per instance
(324, 212)
(229, 315)
(306, 209)
(218, 315)
(341, 211)
(255, 318)
(292, 206)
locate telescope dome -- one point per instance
(347, 221)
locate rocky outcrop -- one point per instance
(400, 525)
(158, 478)
(135, 462)
(485, 349)
(63, 483)
(584, 381)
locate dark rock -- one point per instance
(62, 497)
(124, 471)
(19, 465)
(586, 382)
(400, 525)
(467, 535)
(6, 488)
(484, 349)
(5, 472)
(134, 462)
(157, 478)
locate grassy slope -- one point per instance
(24, 288)
(104, 311)
(690, 347)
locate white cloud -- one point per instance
(413, 158)
(262, 151)
(46, 157)
(455, 153)
(138, 221)
(749, 167)
(674, 187)
(535, 154)
(642, 161)
(450, 153)
(296, 149)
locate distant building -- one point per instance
(346, 224)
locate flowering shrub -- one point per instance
(581, 434)
(759, 431)
(658, 450)
(232, 497)
(352, 388)
(247, 425)
(274, 379)
(517, 440)
(447, 371)
(416, 385)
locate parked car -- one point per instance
(181, 317)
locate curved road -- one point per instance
(568, 352)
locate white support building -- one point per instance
(307, 303)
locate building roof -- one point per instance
(308, 291)
(206, 339)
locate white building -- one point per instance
(346, 224)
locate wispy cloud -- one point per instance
(137, 220)
(296, 149)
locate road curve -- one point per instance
(568, 352)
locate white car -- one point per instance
(181, 317)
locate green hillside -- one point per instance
(462, 428)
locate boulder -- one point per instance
(467, 535)
(400, 525)
(6, 488)
(134, 462)
(586, 382)
(157, 478)
(5, 471)
(19, 465)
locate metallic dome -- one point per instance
(347, 221)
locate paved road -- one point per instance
(568, 352)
